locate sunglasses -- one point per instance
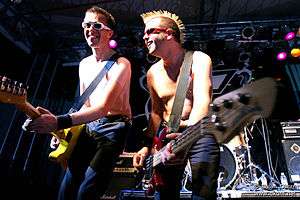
(95, 25)
(154, 30)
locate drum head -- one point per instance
(228, 166)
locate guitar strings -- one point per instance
(186, 133)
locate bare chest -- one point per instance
(166, 90)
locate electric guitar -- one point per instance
(13, 92)
(227, 115)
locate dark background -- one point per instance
(41, 44)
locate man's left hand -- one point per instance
(167, 155)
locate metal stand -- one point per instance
(254, 177)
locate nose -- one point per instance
(145, 37)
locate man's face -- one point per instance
(95, 29)
(154, 35)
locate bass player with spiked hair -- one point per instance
(164, 36)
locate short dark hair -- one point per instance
(110, 20)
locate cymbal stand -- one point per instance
(265, 133)
(250, 181)
(246, 180)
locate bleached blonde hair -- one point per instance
(180, 28)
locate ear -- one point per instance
(170, 34)
(110, 34)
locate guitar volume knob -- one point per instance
(214, 107)
(244, 98)
(228, 103)
(220, 126)
(214, 119)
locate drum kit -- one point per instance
(237, 169)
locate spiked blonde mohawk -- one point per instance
(163, 13)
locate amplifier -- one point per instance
(141, 195)
(125, 176)
(290, 130)
(124, 165)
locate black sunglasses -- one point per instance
(154, 30)
(95, 25)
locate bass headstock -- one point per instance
(230, 112)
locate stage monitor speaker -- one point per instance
(291, 150)
(141, 195)
(125, 176)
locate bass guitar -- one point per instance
(227, 116)
(13, 92)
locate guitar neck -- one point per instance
(29, 110)
(187, 137)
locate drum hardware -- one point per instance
(228, 168)
(187, 178)
(253, 177)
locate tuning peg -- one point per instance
(214, 107)
(8, 85)
(15, 87)
(227, 103)
(244, 98)
(214, 118)
(21, 89)
(3, 83)
(220, 126)
(25, 90)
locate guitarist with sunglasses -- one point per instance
(164, 36)
(106, 113)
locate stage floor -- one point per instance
(224, 194)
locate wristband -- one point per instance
(64, 121)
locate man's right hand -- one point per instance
(139, 157)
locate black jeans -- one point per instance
(204, 157)
(91, 164)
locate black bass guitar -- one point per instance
(228, 114)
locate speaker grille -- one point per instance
(291, 148)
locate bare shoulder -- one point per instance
(86, 60)
(199, 55)
(123, 61)
(155, 68)
(152, 72)
(202, 60)
(85, 64)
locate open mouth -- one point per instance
(149, 43)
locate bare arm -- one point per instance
(202, 86)
(155, 120)
(112, 89)
(47, 122)
(156, 106)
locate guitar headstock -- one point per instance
(12, 92)
(230, 112)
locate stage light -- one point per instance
(295, 52)
(288, 34)
(113, 44)
(248, 32)
(281, 55)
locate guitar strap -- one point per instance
(79, 101)
(181, 90)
